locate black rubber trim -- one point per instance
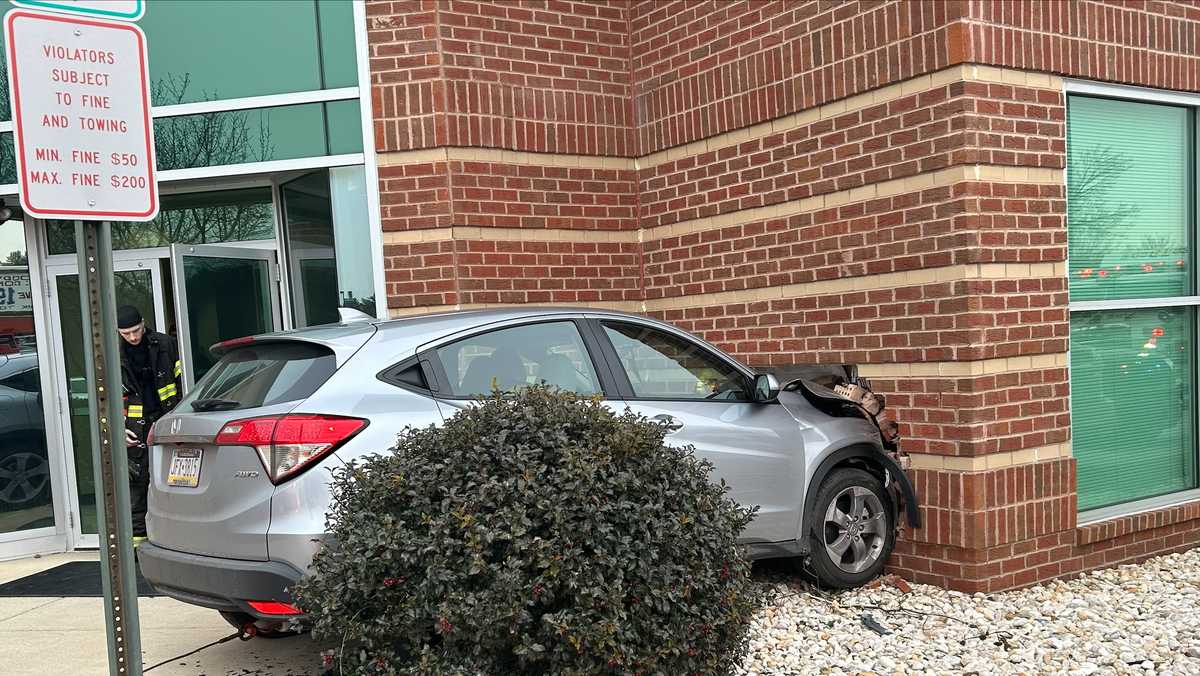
(911, 508)
(212, 582)
(388, 375)
(869, 454)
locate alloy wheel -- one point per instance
(23, 477)
(855, 529)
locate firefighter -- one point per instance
(151, 375)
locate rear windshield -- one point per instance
(262, 375)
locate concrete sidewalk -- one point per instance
(43, 636)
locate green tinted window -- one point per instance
(1129, 182)
(1132, 401)
(187, 218)
(240, 136)
(201, 50)
(219, 49)
(345, 127)
(224, 49)
(339, 63)
(1129, 231)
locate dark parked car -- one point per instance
(24, 465)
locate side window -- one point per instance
(663, 365)
(551, 353)
(25, 381)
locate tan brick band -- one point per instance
(900, 186)
(934, 179)
(399, 312)
(992, 461)
(509, 235)
(950, 273)
(958, 369)
(460, 154)
(959, 73)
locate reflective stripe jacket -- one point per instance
(168, 382)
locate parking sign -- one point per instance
(81, 117)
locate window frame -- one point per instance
(440, 383)
(1190, 101)
(625, 387)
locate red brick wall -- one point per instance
(671, 92)
(704, 68)
(537, 76)
(548, 272)
(414, 196)
(1143, 43)
(1020, 529)
(531, 196)
(407, 91)
(420, 274)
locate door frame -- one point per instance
(269, 255)
(55, 538)
(123, 261)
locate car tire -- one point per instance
(26, 474)
(853, 529)
(262, 628)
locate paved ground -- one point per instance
(43, 636)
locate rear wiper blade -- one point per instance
(214, 404)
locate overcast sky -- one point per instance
(12, 238)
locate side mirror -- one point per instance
(766, 388)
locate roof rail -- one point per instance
(348, 315)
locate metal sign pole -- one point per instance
(93, 242)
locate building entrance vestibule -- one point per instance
(199, 294)
(227, 257)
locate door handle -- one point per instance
(671, 422)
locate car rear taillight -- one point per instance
(288, 444)
(275, 608)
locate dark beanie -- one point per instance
(128, 317)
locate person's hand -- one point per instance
(131, 438)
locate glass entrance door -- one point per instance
(221, 292)
(199, 294)
(32, 498)
(139, 282)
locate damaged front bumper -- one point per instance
(854, 398)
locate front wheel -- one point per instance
(853, 529)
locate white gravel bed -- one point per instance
(1137, 619)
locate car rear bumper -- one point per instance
(213, 582)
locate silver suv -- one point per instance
(240, 468)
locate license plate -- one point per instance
(185, 468)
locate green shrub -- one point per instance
(533, 534)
